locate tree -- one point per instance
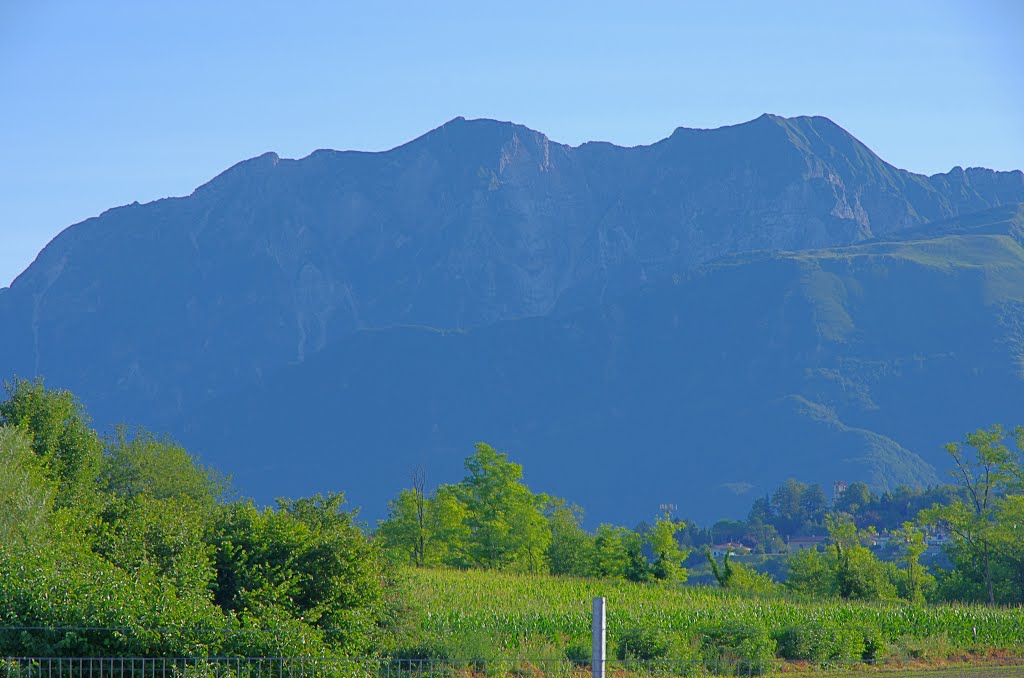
(402, 535)
(306, 561)
(847, 569)
(142, 464)
(797, 508)
(505, 520)
(737, 577)
(668, 556)
(859, 574)
(447, 525)
(58, 428)
(572, 550)
(854, 500)
(611, 557)
(985, 466)
(811, 574)
(913, 545)
(26, 495)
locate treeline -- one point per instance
(128, 547)
(492, 520)
(796, 509)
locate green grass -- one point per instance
(455, 614)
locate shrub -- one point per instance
(642, 645)
(875, 645)
(579, 654)
(746, 652)
(821, 644)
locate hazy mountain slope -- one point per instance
(846, 363)
(148, 310)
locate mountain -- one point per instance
(854, 362)
(412, 274)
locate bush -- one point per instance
(579, 654)
(415, 657)
(744, 652)
(642, 645)
(823, 645)
(933, 647)
(875, 645)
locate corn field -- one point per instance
(475, 613)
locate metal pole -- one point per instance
(597, 629)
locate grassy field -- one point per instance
(541, 620)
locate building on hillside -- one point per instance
(730, 547)
(877, 541)
(838, 490)
(804, 543)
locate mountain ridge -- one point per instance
(151, 312)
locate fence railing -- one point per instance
(415, 653)
(390, 667)
(314, 667)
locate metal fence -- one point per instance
(313, 667)
(390, 667)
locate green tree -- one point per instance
(404, 534)
(797, 508)
(306, 561)
(859, 574)
(611, 556)
(733, 575)
(507, 528)
(985, 467)
(912, 544)
(160, 538)
(812, 574)
(668, 556)
(58, 427)
(448, 527)
(142, 464)
(847, 568)
(636, 566)
(572, 550)
(26, 495)
(854, 500)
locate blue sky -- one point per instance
(105, 103)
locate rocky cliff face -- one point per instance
(149, 310)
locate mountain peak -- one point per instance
(242, 171)
(476, 130)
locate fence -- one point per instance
(637, 652)
(391, 667)
(309, 667)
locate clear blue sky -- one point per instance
(104, 103)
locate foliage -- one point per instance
(135, 549)
(58, 428)
(572, 549)
(733, 575)
(491, 520)
(915, 582)
(740, 627)
(305, 561)
(668, 556)
(158, 468)
(506, 525)
(26, 495)
(847, 569)
(987, 546)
